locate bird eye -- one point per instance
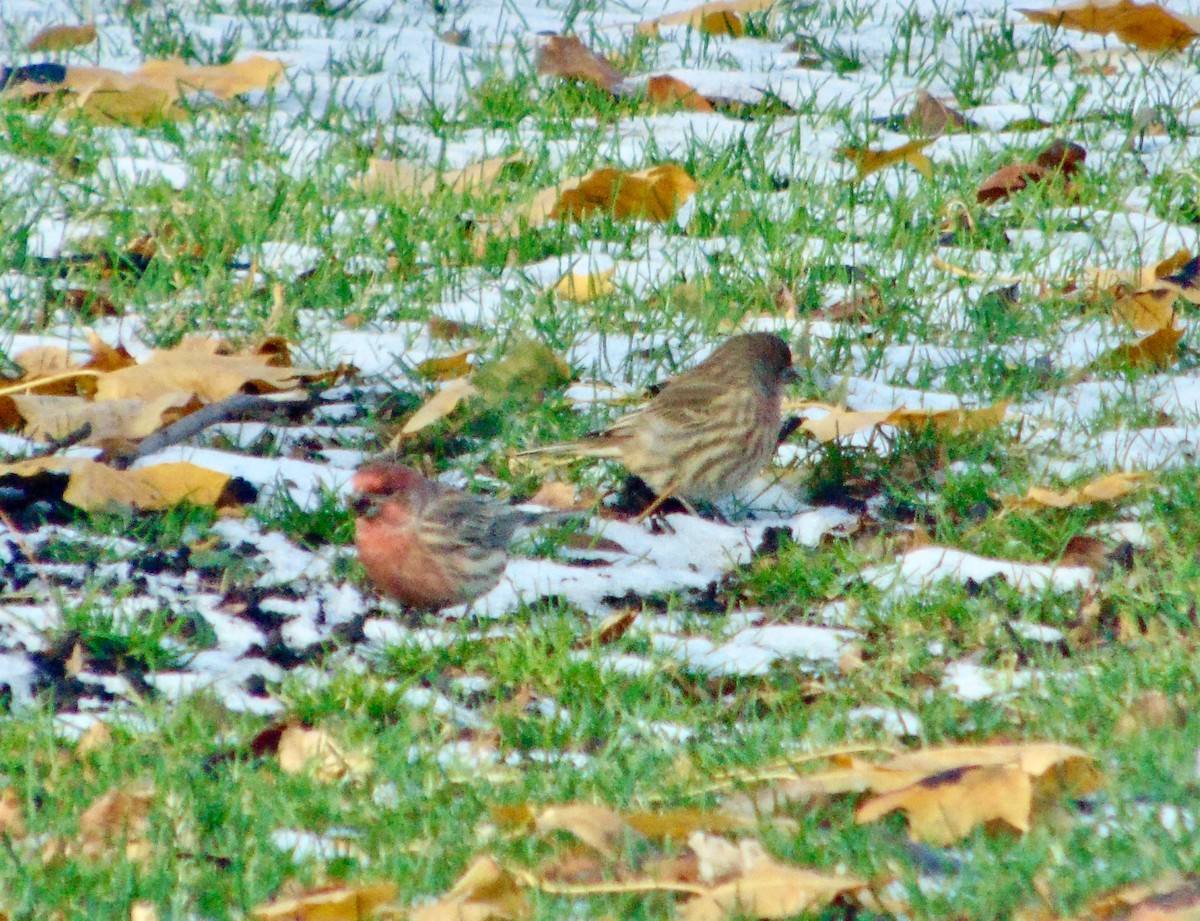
(363, 505)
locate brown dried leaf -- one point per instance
(51, 418)
(447, 367)
(701, 17)
(483, 893)
(1059, 158)
(301, 749)
(650, 194)
(1105, 489)
(599, 827)
(223, 80)
(1169, 898)
(1084, 550)
(119, 817)
(567, 57)
(944, 808)
(1144, 25)
(94, 486)
(869, 161)
(12, 817)
(329, 903)
(438, 407)
(209, 376)
(931, 117)
(403, 178)
(773, 890)
(951, 421)
(1146, 310)
(1007, 180)
(62, 38)
(667, 91)
(1159, 349)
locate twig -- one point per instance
(240, 406)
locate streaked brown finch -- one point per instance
(708, 431)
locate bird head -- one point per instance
(376, 482)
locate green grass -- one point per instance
(421, 811)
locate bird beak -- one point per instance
(790, 375)
(362, 505)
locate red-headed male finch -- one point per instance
(426, 544)
(708, 431)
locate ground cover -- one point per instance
(465, 229)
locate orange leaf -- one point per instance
(869, 161)
(62, 38)
(698, 16)
(665, 90)
(1144, 25)
(1159, 349)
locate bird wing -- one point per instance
(684, 404)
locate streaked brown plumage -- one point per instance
(426, 544)
(709, 431)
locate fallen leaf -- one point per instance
(1143, 25)
(1147, 309)
(51, 418)
(1159, 349)
(209, 376)
(945, 807)
(869, 161)
(951, 421)
(611, 629)
(153, 91)
(1105, 489)
(224, 80)
(1059, 158)
(62, 38)
(585, 286)
(329, 903)
(771, 891)
(654, 193)
(702, 17)
(447, 367)
(931, 117)
(666, 91)
(143, 911)
(599, 827)
(1170, 898)
(567, 57)
(483, 893)
(302, 749)
(93, 486)
(1084, 550)
(12, 818)
(439, 406)
(118, 818)
(840, 422)
(402, 178)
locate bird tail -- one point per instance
(600, 446)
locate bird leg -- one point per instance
(659, 500)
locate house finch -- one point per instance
(426, 544)
(709, 431)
